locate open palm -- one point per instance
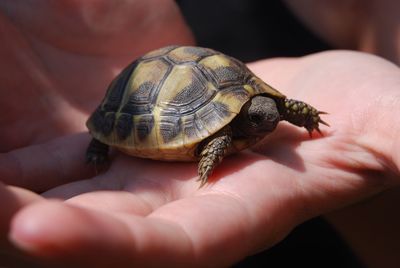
(152, 213)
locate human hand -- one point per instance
(142, 212)
(366, 25)
(58, 57)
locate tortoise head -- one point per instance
(258, 117)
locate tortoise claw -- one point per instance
(320, 120)
(212, 154)
(203, 178)
(96, 153)
(96, 159)
(314, 124)
(317, 129)
(323, 122)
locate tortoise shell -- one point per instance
(164, 104)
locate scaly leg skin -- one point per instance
(97, 152)
(303, 115)
(213, 153)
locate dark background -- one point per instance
(256, 29)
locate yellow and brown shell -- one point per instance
(165, 103)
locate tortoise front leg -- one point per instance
(302, 114)
(97, 152)
(213, 153)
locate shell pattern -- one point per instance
(165, 103)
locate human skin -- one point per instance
(60, 55)
(139, 209)
(372, 26)
(367, 25)
(142, 212)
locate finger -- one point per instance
(188, 231)
(12, 200)
(80, 237)
(251, 207)
(84, 238)
(43, 166)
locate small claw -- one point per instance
(203, 178)
(323, 122)
(203, 181)
(315, 128)
(97, 161)
(316, 125)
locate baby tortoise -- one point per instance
(182, 103)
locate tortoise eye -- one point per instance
(256, 118)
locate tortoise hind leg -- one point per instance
(97, 152)
(213, 153)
